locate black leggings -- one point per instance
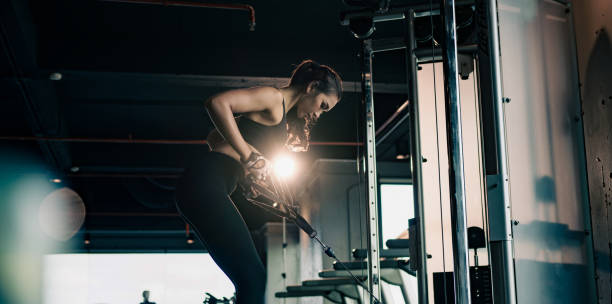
(202, 198)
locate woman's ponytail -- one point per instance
(328, 82)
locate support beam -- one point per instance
(108, 79)
(369, 158)
(455, 155)
(500, 229)
(150, 141)
(418, 263)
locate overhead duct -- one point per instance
(244, 7)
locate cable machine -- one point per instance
(361, 24)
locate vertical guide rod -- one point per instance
(455, 155)
(370, 167)
(284, 256)
(417, 162)
(507, 292)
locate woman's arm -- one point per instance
(221, 109)
(213, 139)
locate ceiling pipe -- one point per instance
(131, 140)
(134, 214)
(243, 7)
(128, 140)
(122, 175)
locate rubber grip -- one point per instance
(303, 224)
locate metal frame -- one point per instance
(420, 7)
(417, 163)
(500, 229)
(455, 155)
(369, 48)
(370, 169)
(414, 56)
(501, 245)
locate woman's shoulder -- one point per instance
(273, 100)
(268, 94)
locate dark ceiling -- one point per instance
(142, 72)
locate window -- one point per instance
(396, 204)
(121, 278)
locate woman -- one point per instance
(270, 119)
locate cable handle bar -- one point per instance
(269, 195)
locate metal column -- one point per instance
(500, 229)
(455, 155)
(420, 261)
(370, 168)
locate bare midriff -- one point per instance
(225, 148)
(217, 143)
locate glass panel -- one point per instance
(552, 253)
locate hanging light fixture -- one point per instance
(188, 234)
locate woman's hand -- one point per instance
(222, 107)
(257, 166)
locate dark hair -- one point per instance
(308, 71)
(328, 82)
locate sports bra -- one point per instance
(266, 139)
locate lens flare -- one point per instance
(61, 214)
(284, 166)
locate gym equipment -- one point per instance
(273, 195)
(210, 299)
(480, 276)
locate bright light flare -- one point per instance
(61, 214)
(284, 166)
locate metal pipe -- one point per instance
(424, 54)
(243, 7)
(122, 175)
(455, 155)
(417, 162)
(507, 292)
(128, 140)
(387, 122)
(396, 13)
(173, 80)
(389, 17)
(370, 171)
(433, 12)
(133, 214)
(152, 141)
(336, 143)
(388, 44)
(180, 232)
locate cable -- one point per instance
(302, 224)
(483, 183)
(278, 195)
(433, 64)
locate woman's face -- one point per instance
(313, 104)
